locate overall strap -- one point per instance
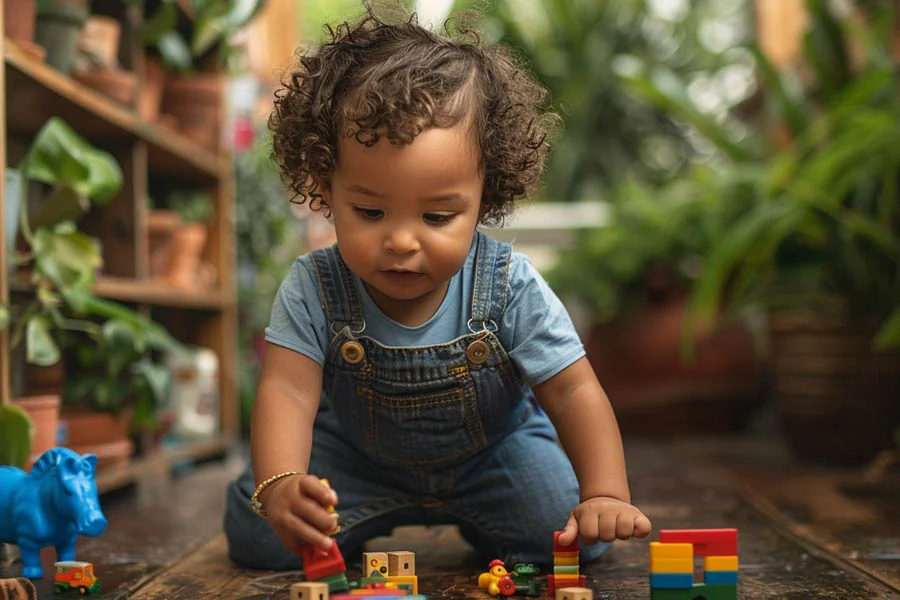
(489, 293)
(339, 298)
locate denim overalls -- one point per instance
(446, 433)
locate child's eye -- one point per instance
(369, 213)
(438, 219)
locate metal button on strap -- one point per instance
(478, 352)
(352, 352)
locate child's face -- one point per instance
(405, 216)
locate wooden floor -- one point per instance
(804, 532)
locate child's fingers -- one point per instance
(313, 488)
(291, 526)
(642, 526)
(569, 533)
(313, 513)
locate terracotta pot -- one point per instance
(836, 400)
(196, 101)
(100, 37)
(161, 228)
(85, 427)
(18, 19)
(186, 254)
(153, 83)
(41, 381)
(44, 412)
(637, 361)
(117, 84)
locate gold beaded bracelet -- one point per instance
(255, 504)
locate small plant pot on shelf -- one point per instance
(100, 433)
(161, 228)
(100, 38)
(154, 83)
(58, 26)
(185, 260)
(44, 413)
(117, 84)
(196, 101)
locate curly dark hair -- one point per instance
(377, 79)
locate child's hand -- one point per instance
(297, 509)
(604, 519)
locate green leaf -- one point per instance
(4, 316)
(16, 436)
(888, 336)
(41, 348)
(175, 52)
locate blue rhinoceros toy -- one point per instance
(51, 505)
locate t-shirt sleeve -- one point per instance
(536, 329)
(297, 321)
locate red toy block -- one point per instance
(318, 563)
(707, 542)
(557, 547)
(565, 581)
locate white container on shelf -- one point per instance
(195, 392)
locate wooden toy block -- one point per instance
(669, 550)
(565, 560)
(401, 563)
(714, 592)
(374, 561)
(671, 565)
(557, 547)
(561, 581)
(336, 583)
(678, 581)
(318, 563)
(309, 590)
(707, 542)
(720, 577)
(720, 563)
(406, 579)
(574, 593)
(564, 554)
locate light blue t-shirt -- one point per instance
(536, 331)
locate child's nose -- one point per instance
(401, 240)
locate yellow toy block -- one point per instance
(330, 508)
(566, 580)
(401, 563)
(720, 563)
(671, 565)
(662, 550)
(567, 554)
(309, 590)
(399, 579)
(565, 561)
(375, 561)
(574, 593)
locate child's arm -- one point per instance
(587, 428)
(284, 410)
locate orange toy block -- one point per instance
(707, 542)
(318, 563)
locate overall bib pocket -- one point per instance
(422, 430)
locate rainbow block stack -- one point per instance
(672, 564)
(565, 566)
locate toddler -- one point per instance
(421, 367)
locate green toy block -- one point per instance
(670, 594)
(336, 583)
(714, 591)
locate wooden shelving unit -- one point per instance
(32, 93)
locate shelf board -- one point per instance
(129, 290)
(160, 464)
(36, 91)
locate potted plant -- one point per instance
(16, 434)
(819, 249)
(192, 40)
(633, 276)
(58, 25)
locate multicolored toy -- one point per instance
(75, 575)
(672, 564)
(521, 581)
(50, 506)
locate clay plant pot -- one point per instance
(18, 19)
(100, 38)
(57, 28)
(117, 84)
(835, 398)
(655, 393)
(101, 433)
(44, 413)
(153, 84)
(196, 101)
(187, 248)
(162, 225)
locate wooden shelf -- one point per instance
(128, 290)
(35, 92)
(158, 466)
